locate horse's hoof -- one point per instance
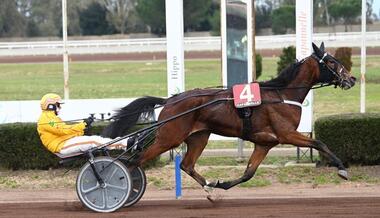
(215, 199)
(210, 198)
(343, 174)
(208, 189)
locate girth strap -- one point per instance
(245, 114)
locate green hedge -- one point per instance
(354, 138)
(288, 56)
(343, 54)
(21, 148)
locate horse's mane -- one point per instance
(285, 77)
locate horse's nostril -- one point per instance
(353, 79)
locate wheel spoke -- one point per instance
(91, 189)
(136, 178)
(113, 173)
(116, 187)
(105, 198)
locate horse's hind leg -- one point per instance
(165, 140)
(256, 158)
(195, 145)
(158, 147)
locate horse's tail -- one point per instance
(128, 116)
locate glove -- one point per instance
(131, 141)
(89, 121)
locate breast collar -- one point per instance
(292, 103)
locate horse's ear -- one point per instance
(316, 49)
(322, 47)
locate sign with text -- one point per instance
(174, 45)
(304, 31)
(246, 95)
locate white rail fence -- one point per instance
(350, 39)
(29, 111)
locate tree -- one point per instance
(283, 19)
(118, 11)
(195, 12)
(215, 23)
(46, 15)
(343, 55)
(259, 65)
(24, 7)
(73, 25)
(198, 14)
(12, 22)
(152, 12)
(346, 10)
(287, 57)
(369, 13)
(289, 2)
(321, 13)
(93, 20)
(263, 16)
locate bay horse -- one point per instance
(273, 122)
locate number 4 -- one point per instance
(246, 93)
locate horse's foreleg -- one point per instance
(300, 140)
(195, 145)
(256, 158)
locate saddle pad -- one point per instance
(246, 95)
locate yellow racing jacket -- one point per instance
(54, 132)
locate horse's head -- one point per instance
(331, 71)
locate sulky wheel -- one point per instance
(115, 191)
(138, 186)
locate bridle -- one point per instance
(325, 68)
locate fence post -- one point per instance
(240, 150)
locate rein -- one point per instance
(162, 122)
(64, 121)
(218, 91)
(174, 102)
(191, 96)
(297, 87)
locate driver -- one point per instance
(59, 137)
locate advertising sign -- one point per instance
(174, 44)
(304, 31)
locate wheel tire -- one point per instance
(138, 178)
(118, 184)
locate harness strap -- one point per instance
(245, 114)
(292, 103)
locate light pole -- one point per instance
(363, 58)
(65, 52)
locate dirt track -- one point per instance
(297, 207)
